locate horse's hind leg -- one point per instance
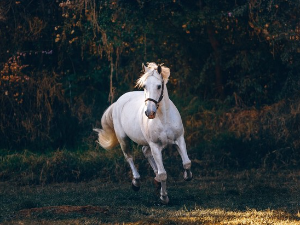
(125, 143)
(147, 153)
(181, 147)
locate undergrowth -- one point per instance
(240, 137)
(60, 166)
(217, 136)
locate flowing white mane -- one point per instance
(149, 70)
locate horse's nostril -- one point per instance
(150, 115)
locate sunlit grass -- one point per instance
(250, 216)
(196, 216)
(222, 216)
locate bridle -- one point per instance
(162, 91)
(160, 97)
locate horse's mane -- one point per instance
(165, 73)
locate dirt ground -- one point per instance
(247, 197)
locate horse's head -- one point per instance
(153, 81)
(153, 89)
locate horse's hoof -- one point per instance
(164, 199)
(157, 184)
(136, 184)
(187, 175)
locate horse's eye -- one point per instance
(158, 86)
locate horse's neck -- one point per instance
(164, 106)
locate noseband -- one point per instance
(160, 97)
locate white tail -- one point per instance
(107, 136)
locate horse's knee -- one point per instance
(161, 177)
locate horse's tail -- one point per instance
(106, 136)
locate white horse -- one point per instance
(150, 119)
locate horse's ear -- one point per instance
(145, 69)
(159, 69)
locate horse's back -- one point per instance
(133, 99)
(131, 96)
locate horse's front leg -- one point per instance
(186, 162)
(161, 172)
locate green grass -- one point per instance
(60, 166)
(248, 197)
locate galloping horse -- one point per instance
(150, 119)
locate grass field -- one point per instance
(248, 197)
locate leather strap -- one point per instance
(160, 97)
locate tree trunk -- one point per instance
(218, 69)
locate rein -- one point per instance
(160, 97)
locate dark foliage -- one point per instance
(63, 62)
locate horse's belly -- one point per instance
(133, 130)
(139, 141)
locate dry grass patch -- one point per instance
(251, 216)
(65, 209)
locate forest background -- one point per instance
(234, 78)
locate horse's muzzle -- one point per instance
(150, 114)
